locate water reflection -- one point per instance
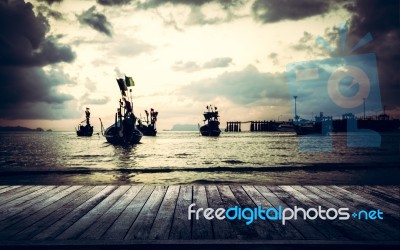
(179, 156)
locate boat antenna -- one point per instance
(130, 94)
(101, 127)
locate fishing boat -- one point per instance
(85, 130)
(148, 127)
(211, 126)
(124, 131)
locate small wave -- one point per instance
(234, 162)
(317, 167)
(85, 156)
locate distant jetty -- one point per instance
(19, 128)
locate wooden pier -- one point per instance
(141, 214)
(254, 126)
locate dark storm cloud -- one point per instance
(48, 12)
(50, 2)
(26, 90)
(243, 87)
(113, 2)
(96, 20)
(22, 38)
(381, 18)
(277, 10)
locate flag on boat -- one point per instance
(122, 86)
(129, 81)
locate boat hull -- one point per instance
(114, 136)
(85, 131)
(209, 131)
(147, 130)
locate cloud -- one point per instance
(197, 17)
(277, 10)
(129, 46)
(156, 3)
(113, 2)
(192, 66)
(48, 12)
(381, 19)
(88, 99)
(29, 92)
(26, 90)
(96, 20)
(245, 87)
(22, 38)
(218, 63)
(274, 57)
(50, 2)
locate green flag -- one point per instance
(129, 81)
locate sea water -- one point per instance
(186, 157)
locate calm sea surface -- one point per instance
(187, 157)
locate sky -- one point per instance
(59, 57)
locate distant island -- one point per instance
(19, 128)
(185, 127)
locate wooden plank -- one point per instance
(18, 192)
(331, 230)
(201, 228)
(222, 228)
(346, 199)
(76, 229)
(285, 231)
(8, 188)
(377, 197)
(101, 225)
(13, 223)
(163, 222)
(324, 227)
(279, 198)
(51, 232)
(17, 205)
(120, 227)
(140, 229)
(392, 191)
(181, 225)
(386, 194)
(50, 197)
(362, 230)
(52, 213)
(236, 196)
(359, 201)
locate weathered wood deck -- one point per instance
(137, 214)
